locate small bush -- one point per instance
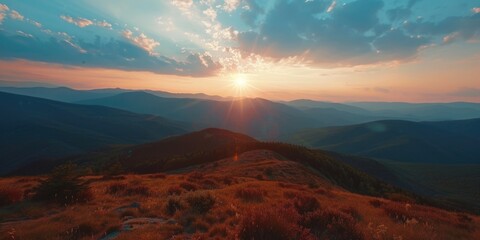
(218, 231)
(9, 196)
(304, 204)
(399, 212)
(270, 223)
(352, 212)
(188, 186)
(174, 190)
(173, 205)
(330, 224)
(63, 186)
(116, 188)
(376, 203)
(289, 194)
(250, 194)
(200, 202)
(138, 190)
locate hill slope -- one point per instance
(34, 129)
(256, 117)
(444, 142)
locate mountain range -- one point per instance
(34, 129)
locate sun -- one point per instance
(240, 82)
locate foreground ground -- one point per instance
(258, 194)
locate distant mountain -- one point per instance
(70, 95)
(433, 142)
(34, 129)
(257, 117)
(62, 94)
(421, 111)
(308, 104)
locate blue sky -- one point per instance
(212, 39)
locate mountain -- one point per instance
(307, 103)
(257, 117)
(62, 94)
(433, 142)
(70, 95)
(421, 111)
(34, 129)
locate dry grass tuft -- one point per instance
(200, 201)
(250, 194)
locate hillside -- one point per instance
(35, 129)
(256, 117)
(258, 194)
(445, 142)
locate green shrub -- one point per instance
(63, 186)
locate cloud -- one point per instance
(146, 43)
(183, 5)
(2, 17)
(83, 22)
(3, 8)
(210, 13)
(359, 32)
(332, 6)
(230, 5)
(37, 24)
(104, 24)
(16, 15)
(80, 22)
(116, 54)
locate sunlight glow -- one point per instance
(240, 82)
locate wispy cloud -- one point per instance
(16, 15)
(332, 6)
(84, 22)
(80, 22)
(146, 43)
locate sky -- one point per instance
(332, 50)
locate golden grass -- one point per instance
(236, 191)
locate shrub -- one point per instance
(200, 201)
(289, 194)
(330, 224)
(399, 212)
(138, 190)
(9, 196)
(188, 186)
(63, 186)
(174, 190)
(376, 203)
(250, 194)
(173, 205)
(270, 223)
(218, 231)
(352, 212)
(116, 188)
(304, 204)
